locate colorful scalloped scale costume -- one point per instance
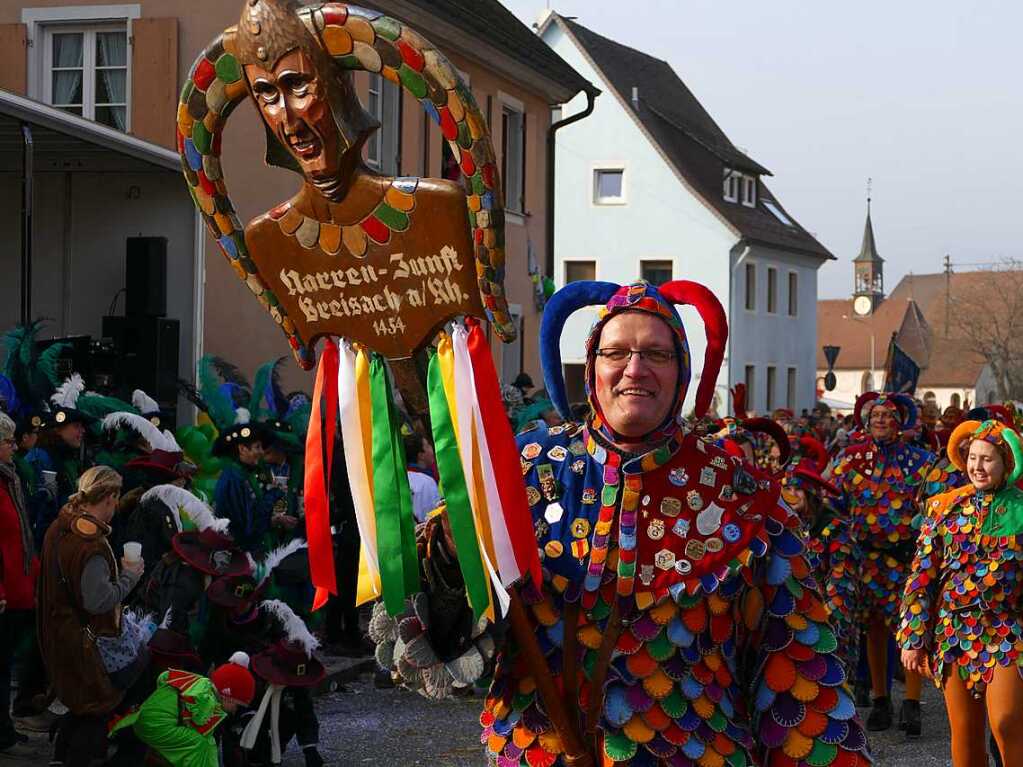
(722, 649)
(880, 484)
(964, 596)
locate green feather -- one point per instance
(99, 406)
(221, 410)
(260, 384)
(48, 362)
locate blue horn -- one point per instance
(569, 299)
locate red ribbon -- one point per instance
(320, 440)
(504, 454)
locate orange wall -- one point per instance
(236, 326)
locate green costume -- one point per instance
(179, 719)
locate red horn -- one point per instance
(814, 450)
(774, 431)
(715, 323)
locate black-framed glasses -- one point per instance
(655, 357)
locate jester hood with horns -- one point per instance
(671, 584)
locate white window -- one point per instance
(772, 290)
(731, 190)
(749, 191)
(384, 103)
(85, 71)
(656, 272)
(608, 186)
(751, 290)
(513, 139)
(577, 271)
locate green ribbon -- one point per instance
(396, 535)
(456, 493)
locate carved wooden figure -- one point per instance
(379, 260)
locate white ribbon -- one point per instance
(272, 700)
(469, 420)
(355, 460)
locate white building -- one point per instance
(649, 186)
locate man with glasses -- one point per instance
(879, 482)
(674, 581)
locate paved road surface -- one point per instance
(366, 727)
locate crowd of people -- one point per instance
(156, 583)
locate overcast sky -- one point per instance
(924, 97)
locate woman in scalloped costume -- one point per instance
(961, 622)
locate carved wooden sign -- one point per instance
(379, 260)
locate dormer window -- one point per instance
(749, 191)
(731, 190)
(740, 187)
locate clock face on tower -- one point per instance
(862, 305)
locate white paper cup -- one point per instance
(132, 551)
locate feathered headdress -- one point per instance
(144, 403)
(180, 500)
(156, 439)
(263, 569)
(67, 394)
(294, 627)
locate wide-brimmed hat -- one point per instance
(169, 466)
(211, 552)
(289, 662)
(171, 649)
(240, 591)
(241, 433)
(64, 404)
(165, 456)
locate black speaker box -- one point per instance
(148, 355)
(145, 277)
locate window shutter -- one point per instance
(154, 79)
(14, 60)
(522, 199)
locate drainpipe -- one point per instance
(732, 313)
(27, 172)
(551, 158)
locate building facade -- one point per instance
(919, 316)
(123, 65)
(649, 186)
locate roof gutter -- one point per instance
(591, 97)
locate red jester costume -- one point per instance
(879, 482)
(678, 618)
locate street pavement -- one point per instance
(361, 726)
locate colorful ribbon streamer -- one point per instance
(392, 498)
(503, 453)
(319, 455)
(353, 400)
(456, 494)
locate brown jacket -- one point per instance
(66, 631)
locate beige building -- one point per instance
(123, 65)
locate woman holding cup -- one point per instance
(81, 590)
(961, 613)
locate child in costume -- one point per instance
(961, 613)
(179, 721)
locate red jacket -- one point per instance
(16, 586)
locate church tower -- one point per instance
(868, 268)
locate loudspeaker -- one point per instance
(145, 277)
(148, 356)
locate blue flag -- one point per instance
(902, 373)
